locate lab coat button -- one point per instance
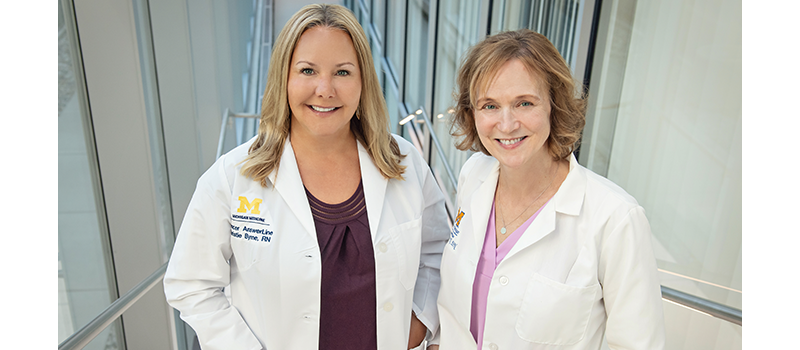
(493, 346)
(388, 307)
(503, 280)
(383, 247)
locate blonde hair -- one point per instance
(539, 57)
(370, 124)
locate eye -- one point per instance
(489, 106)
(307, 71)
(342, 73)
(525, 104)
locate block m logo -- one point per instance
(458, 218)
(245, 205)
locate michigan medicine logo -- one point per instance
(250, 227)
(245, 205)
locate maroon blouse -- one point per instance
(347, 299)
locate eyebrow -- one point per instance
(520, 97)
(314, 65)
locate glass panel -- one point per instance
(391, 94)
(442, 176)
(395, 37)
(361, 11)
(242, 52)
(377, 53)
(150, 93)
(665, 123)
(689, 329)
(417, 53)
(457, 31)
(379, 17)
(556, 19)
(85, 274)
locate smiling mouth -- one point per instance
(509, 142)
(322, 109)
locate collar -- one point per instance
(289, 184)
(569, 198)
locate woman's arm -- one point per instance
(631, 287)
(435, 233)
(198, 269)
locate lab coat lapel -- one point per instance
(289, 184)
(481, 205)
(568, 200)
(374, 188)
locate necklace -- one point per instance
(503, 229)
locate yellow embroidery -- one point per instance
(458, 218)
(245, 205)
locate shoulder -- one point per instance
(404, 145)
(235, 157)
(599, 185)
(478, 163)
(413, 160)
(475, 169)
(227, 168)
(605, 198)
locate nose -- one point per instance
(325, 88)
(508, 121)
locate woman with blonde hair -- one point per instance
(545, 254)
(327, 229)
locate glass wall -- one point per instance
(159, 75)
(395, 51)
(86, 282)
(416, 57)
(664, 122)
(458, 28)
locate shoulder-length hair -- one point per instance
(539, 57)
(370, 122)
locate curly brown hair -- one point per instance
(540, 57)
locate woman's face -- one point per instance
(512, 116)
(324, 84)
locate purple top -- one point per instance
(347, 296)
(491, 256)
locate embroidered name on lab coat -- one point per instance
(454, 233)
(250, 227)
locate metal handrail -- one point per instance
(225, 116)
(705, 306)
(417, 135)
(439, 150)
(86, 334)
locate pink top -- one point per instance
(491, 256)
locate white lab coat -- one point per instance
(584, 268)
(269, 254)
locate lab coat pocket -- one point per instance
(406, 239)
(555, 313)
(245, 252)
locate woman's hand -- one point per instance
(417, 333)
